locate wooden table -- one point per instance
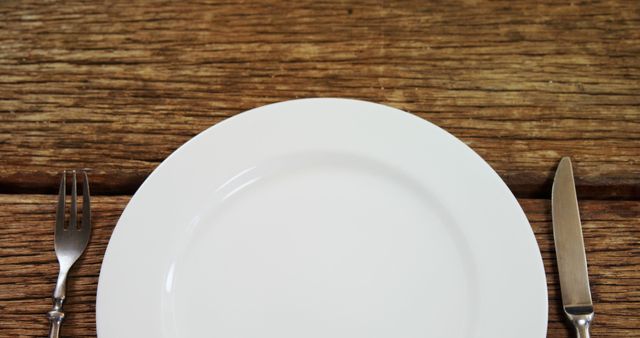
(117, 87)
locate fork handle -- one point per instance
(55, 318)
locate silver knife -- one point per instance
(572, 261)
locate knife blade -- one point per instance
(570, 253)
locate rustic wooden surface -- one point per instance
(117, 87)
(28, 269)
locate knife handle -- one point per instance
(581, 322)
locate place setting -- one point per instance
(325, 218)
(319, 169)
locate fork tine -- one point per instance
(86, 203)
(73, 213)
(61, 198)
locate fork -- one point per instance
(70, 242)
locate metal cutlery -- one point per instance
(572, 262)
(70, 242)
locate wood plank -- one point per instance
(116, 87)
(28, 268)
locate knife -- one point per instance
(572, 261)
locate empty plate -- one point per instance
(323, 218)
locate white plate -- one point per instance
(323, 218)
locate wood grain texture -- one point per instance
(28, 268)
(118, 86)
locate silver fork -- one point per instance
(70, 242)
